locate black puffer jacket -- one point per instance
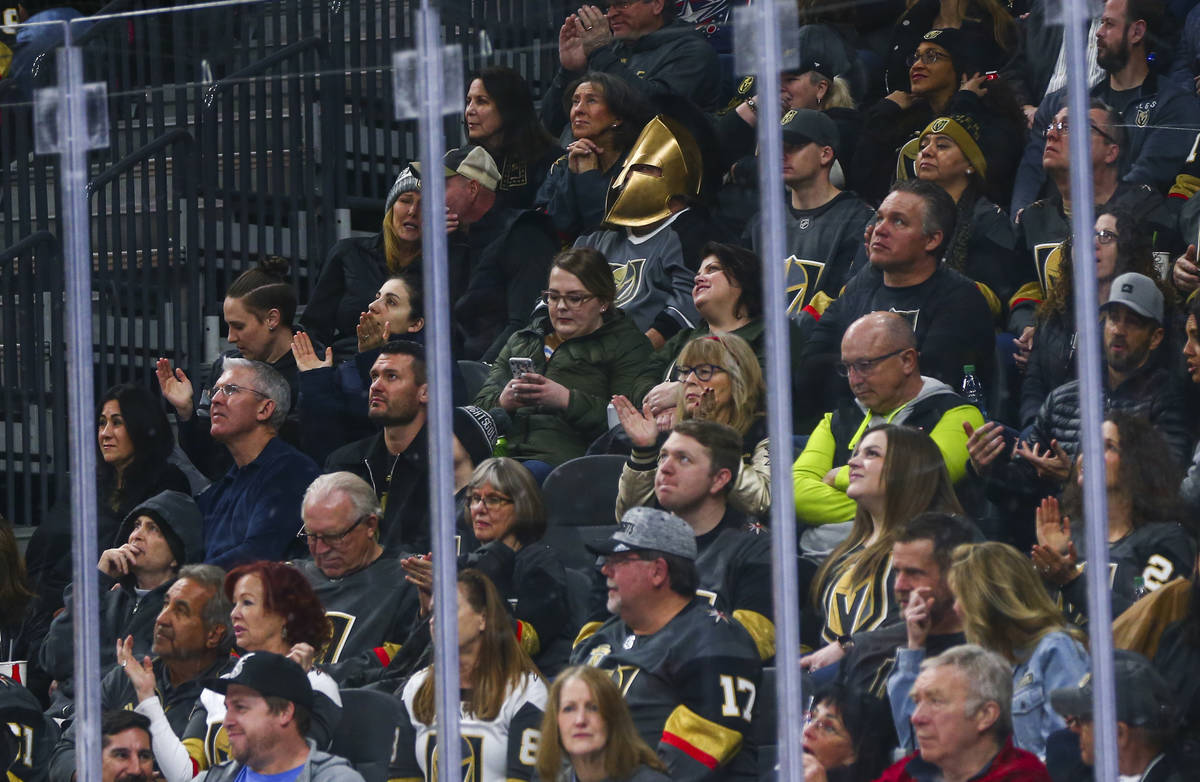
(1051, 363)
(1151, 393)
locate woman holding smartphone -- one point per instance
(556, 376)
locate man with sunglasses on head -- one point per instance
(366, 597)
(1161, 117)
(253, 511)
(1045, 224)
(881, 365)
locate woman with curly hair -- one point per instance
(1121, 244)
(274, 610)
(1145, 539)
(588, 734)
(1004, 608)
(503, 695)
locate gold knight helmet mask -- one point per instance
(639, 197)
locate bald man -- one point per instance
(881, 364)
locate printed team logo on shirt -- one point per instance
(515, 175)
(597, 655)
(803, 278)
(910, 315)
(628, 278)
(472, 758)
(1047, 259)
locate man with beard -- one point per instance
(1135, 380)
(125, 754)
(691, 476)
(192, 639)
(920, 564)
(268, 707)
(1159, 116)
(394, 461)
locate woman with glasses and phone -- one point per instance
(1121, 244)
(606, 114)
(945, 76)
(505, 512)
(556, 376)
(717, 378)
(273, 609)
(896, 472)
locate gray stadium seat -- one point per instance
(475, 374)
(580, 497)
(367, 731)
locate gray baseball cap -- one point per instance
(1144, 699)
(649, 529)
(1139, 293)
(800, 126)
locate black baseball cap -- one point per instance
(800, 126)
(269, 674)
(1144, 699)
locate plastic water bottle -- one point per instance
(972, 389)
(1140, 589)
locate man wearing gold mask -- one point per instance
(652, 236)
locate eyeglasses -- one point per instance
(823, 724)
(332, 539)
(703, 372)
(927, 57)
(229, 389)
(1105, 236)
(1064, 127)
(865, 366)
(572, 300)
(492, 501)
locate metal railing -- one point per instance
(237, 131)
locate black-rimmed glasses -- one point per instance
(864, 366)
(331, 539)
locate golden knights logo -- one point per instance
(745, 86)
(939, 124)
(1142, 117)
(803, 278)
(598, 654)
(910, 315)
(791, 113)
(472, 758)
(1047, 260)
(628, 278)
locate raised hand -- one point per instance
(571, 54)
(176, 388)
(984, 445)
(640, 426)
(118, 562)
(1186, 275)
(1053, 528)
(306, 356)
(372, 332)
(303, 655)
(140, 673)
(917, 616)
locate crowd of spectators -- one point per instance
(265, 521)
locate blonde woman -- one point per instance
(1004, 608)
(719, 379)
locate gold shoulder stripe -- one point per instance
(993, 300)
(529, 638)
(1185, 186)
(586, 632)
(703, 740)
(761, 629)
(195, 749)
(820, 302)
(1030, 291)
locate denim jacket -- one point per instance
(1057, 661)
